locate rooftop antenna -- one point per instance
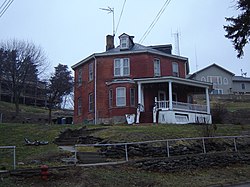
(243, 74)
(196, 61)
(176, 36)
(111, 10)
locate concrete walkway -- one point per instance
(68, 148)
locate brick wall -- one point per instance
(141, 65)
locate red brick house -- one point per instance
(111, 84)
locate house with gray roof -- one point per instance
(220, 77)
(241, 85)
(223, 80)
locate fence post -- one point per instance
(204, 147)
(235, 146)
(126, 152)
(168, 149)
(75, 154)
(14, 161)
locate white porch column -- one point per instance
(139, 93)
(207, 101)
(170, 95)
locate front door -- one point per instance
(162, 99)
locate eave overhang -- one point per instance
(128, 53)
(172, 79)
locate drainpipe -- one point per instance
(207, 101)
(95, 92)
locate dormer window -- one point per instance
(124, 42)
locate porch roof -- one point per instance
(172, 79)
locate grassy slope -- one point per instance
(5, 106)
(13, 134)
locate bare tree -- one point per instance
(21, 63)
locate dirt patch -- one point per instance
(78, 136)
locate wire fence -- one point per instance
(123, 152)
(6, 158)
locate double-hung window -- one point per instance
(175, 69)
(216, 80)
(110, 98)
(132, 97)
(243, 86)
(157, 67)
(79, 106)
(91, 102)
(121, 67)
(124, 41)
(79, 81)
(91, 70)
(120, 96)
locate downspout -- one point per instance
(95, 92)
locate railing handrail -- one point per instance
(182, 106)
(14, 153)
(7, 147)
(164, 140)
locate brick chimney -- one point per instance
(109, 42)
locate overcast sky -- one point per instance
(69, 31)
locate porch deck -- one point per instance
(180, 106)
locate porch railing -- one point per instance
(188, 107)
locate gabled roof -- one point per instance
(191, 76)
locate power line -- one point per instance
(154, 21)
(3, 4)
(120, 15)
(4, 7)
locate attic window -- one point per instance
(124, 42)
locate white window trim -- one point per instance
(203, 79)
(91, 103)
(157, 67)
(123, 96)
(220, 91)
(243, 86)
(110, 98)
(121, 67)
(91, 70)
(79, 79)
(225, 81)
(218, 80)
(174, 65)
(79, 106)
(124, 40)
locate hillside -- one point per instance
(118, 175)
(29, 114)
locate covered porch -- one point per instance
(169, 100)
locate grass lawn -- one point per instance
(14, 134)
